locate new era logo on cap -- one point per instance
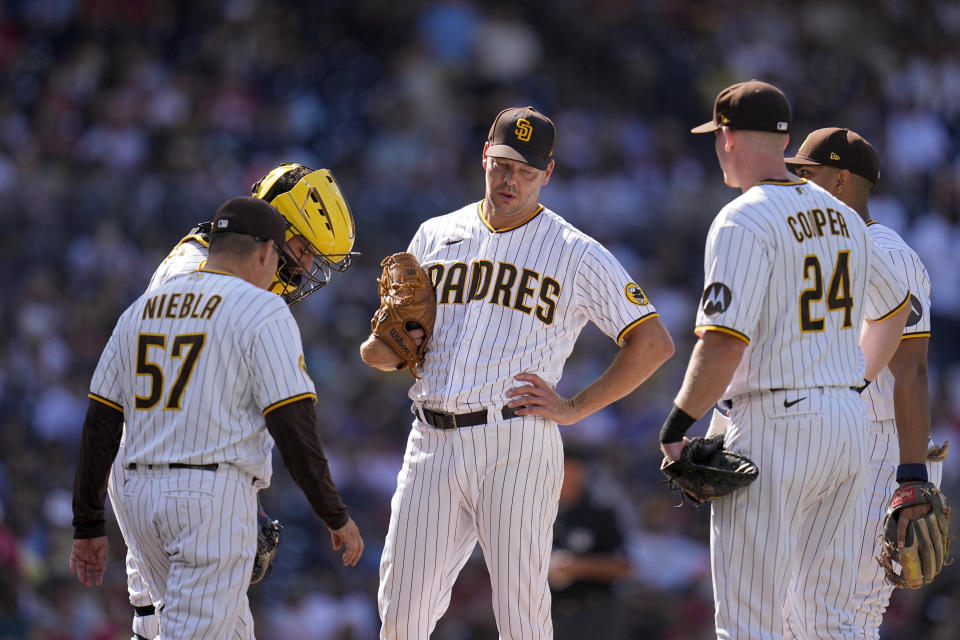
(524, 134)
(752, 106)
(223, 223)
(841, 148)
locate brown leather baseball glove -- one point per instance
(407, 302)
(268, 542)
(706, 470)
(926, 548)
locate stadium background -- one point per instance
(123, 122)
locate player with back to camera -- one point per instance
(897, 402)
(515, 284)
(207, 373)
(321, 237)
(790, 275)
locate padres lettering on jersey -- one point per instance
(878, 396)
(530, 293)
(822, 274)
(195, 364)
(514, 300)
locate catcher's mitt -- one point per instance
(407, 301)
(268, 541)
(706, 470)
(927, 542)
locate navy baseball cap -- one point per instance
(253, 217)
(841, 148)
(751, 106)
(524, 134)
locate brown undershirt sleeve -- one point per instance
(99, 443)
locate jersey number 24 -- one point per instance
(838, 293)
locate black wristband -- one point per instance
(912, 471)
(675, 426)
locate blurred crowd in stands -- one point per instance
(124, 122)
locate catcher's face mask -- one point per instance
(321, 233)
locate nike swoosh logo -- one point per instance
(450, 242)
(789, 403)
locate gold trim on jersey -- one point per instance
(291, 400)
(216, 271)
(193, 236)
(894, 312)
(713, 327)
(627, 329)
(102, 400)
(921, 334)
(784, 183)
(516, 226)
(870, 223)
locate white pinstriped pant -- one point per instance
(858, 613)
(810, 455)
(194, 535)
(497, 484)
(137, 589)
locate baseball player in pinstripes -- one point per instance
(515, 285)
(897, 403)
(321, 236)
(207, 372)
(790, 275)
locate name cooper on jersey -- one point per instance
(458, 283)
(180, 305)
(812, 222)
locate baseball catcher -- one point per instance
(268, 542)
(926, 542)
(407, 302)
(706, 470)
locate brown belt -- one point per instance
(440, 420)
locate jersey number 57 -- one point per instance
(185, 345)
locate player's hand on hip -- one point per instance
(537, 398)
(88, 559)
(348, 537)
(672, 450)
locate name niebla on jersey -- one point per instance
(811, 223)
(180, 305)
(510, 286)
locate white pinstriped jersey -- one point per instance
(195, 364)
(513, 301)
(790, 269)
(189, 255)
(878, 397)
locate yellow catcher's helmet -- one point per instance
(319, 216)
